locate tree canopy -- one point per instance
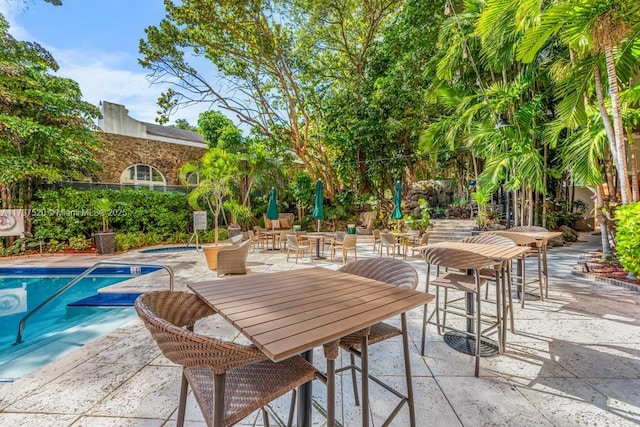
(47, 132)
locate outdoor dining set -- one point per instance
(285, 315)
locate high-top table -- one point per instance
(291, 312)
(499, 253)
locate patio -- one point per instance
(573, 361)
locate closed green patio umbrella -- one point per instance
(272, 207)
(397, 200)
(318, 210)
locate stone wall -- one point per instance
(439, 194)
(121, 151)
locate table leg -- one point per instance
(305, 393)
(318, 256)
(364, 360)
(331, 351)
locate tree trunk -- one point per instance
(608, 128)
(602, 221)
(621, 151)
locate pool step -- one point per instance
(106, 300)
(20, 360)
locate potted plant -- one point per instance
(105, 239)
(216, 169)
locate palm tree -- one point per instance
(215, 171)
(588, 28)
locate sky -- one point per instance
(95, 43)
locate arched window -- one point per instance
(193, 179)
(142, 174)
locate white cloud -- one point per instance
(105, 76)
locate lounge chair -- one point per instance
(233, 260)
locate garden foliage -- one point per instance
(628, 237)
(69, 213)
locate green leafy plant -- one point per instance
(79, 243)
(422, 221)
(54, 245)
(103, 207)
(628, 237)
(482, 196)
(240, 215)
(21, 245)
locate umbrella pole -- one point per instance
(318, 226)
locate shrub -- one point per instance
(628, 237)
(79, 243)
(69, 212)
(135, 240)
(54, 245)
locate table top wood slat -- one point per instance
(497, 252)
(320, 306)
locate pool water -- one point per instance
(19, 295)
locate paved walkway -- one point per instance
(574, 361)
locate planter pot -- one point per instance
(211, 255)
(105, 243)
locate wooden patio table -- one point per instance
(320, 239)
(499, 253)
(291, 312)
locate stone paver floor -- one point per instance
(574, 360)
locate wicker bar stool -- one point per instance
(500, 271)
(536, 250)
(539, 247)
(470, 284)
(229, 380)
(397, 273)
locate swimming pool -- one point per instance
(23, 289)
(168, 249)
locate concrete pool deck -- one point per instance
(574, 360)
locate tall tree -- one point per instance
(253, 68)
(590, 27)
(47, 133)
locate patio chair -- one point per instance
(298, 247)
(233, 260)
(388, 240)
(538, 250)
(397, 273)
(255, 239)
(348, 243)
(469, 262)
(281, 239)
(368, 219)
(417, 245)
(376, 239)
(229, 380)
(496, 272)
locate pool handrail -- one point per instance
(82, 276)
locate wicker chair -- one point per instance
(454, 281)
(416, 246)
(538, 250)
(376, 239)
(398, 273)
(229, 380)
(348, 243)
(233, 260)
(298, 247)
(388, 240)
(498, 271)
(368, 219)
